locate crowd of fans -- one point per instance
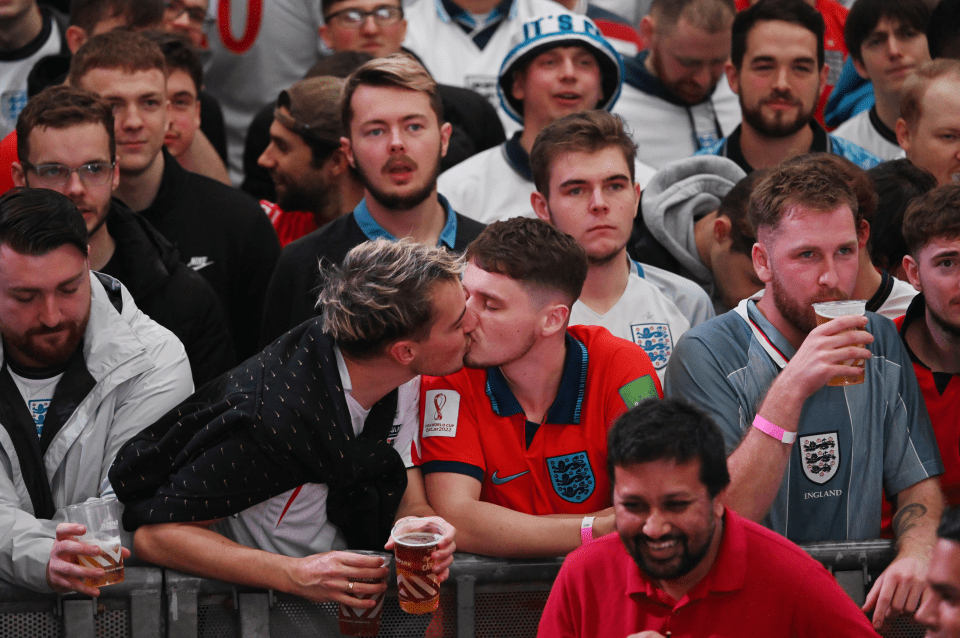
(277, 275)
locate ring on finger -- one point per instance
(350, 585)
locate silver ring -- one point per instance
(350, 585)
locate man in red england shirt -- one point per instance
(514, 447)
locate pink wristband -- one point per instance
(775, 431)
(586, 530)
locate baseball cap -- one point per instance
(553, 31)
(314, 106)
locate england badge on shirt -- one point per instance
(821, 456)
(655, 340)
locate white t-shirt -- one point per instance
(295, 523)
(487, 188)
(37, 394)
(643, 315)
(860, 130)
(13, 77)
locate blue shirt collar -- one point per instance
(373, 230)
(448, 10)
(566, 406)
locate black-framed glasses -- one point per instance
(384, 15)
(57, 175)
(196, 15)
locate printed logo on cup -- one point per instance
(441, 411)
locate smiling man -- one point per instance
(394, 137)
(561, 65)
(761, 371)
(514, 445)
(681, 562)
(777, 69)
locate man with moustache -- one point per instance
(83, 370)
(519, 436)
(675, 98)
(311, 176)
(682, 562)
(777, 68)
(394, 137)
(761, 371)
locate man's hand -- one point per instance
(443, 556)
(900, 588)
(64, 573)
(647, 634)
(822, 353)
(328, 577)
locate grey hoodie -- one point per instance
(678, 195)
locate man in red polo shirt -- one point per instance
(683, 564)
(514, 447)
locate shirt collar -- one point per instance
(342, 369)
(373, 230)
(449, 10)
(820, 144)
(517, 157)
(566, 406)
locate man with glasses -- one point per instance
(188, 17)
(83, 370)
(66, 144)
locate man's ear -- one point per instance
(863, 234)
(324, 32)
(648, 29)
(540, 207)
(912, 271)
(721, 229)
(761, 262)
(861, 70)
(19, 175)
(347, 151)
(903, 135)
(733, 77)
(336, 164)
(75, 37)
(446, 130)
(403, 351)
(554, 318)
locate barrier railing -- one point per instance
(484, 597)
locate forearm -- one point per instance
(492, 530)
(758, 464)
(919, 508)
(201, 551)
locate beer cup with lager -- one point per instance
(100, 516)
(418, 588)
(828, 310)
(357, 621)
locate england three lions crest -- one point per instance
(572, 476)
(655, 340)
(820, 454)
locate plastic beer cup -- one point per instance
(418, 588)
(100, 516)
(357, 621)
(828, 310)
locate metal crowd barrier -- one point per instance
(484, 598)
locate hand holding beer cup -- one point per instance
(825, 353)
(443, 556)
(830, 312)
(416, 543)
(86, 554)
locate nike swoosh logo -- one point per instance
(506, 479)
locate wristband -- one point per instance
(775, 431)
(586, 530)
